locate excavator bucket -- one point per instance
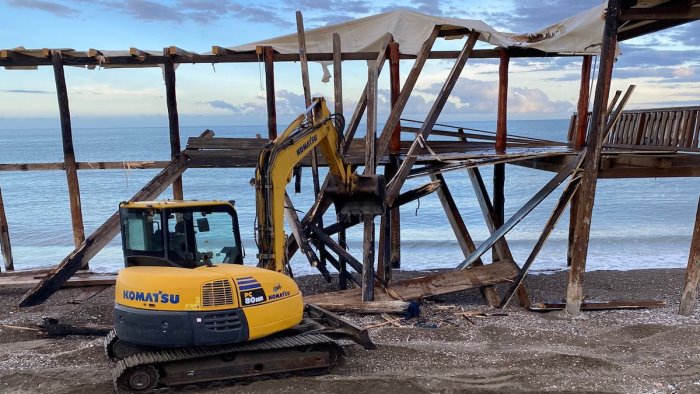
(367, 197)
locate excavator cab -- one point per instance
(185, 234)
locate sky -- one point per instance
(665, 66)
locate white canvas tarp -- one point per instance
(579, 34)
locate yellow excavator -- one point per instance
(186, 308)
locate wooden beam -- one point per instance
(429, 285)
(394, 187)
(302, 240)
(464, 239)
(545, 191)
(583, 103)
(409, 84)
(173, 118)
(502, 119)
(501, 249)
(338, 103)
(98, 239)
(5, 246)
(574, 293)
(546, 231)
(368, 239)
(394, 216)
(268, 55)
(692, 272)
(323, 237)
(660, 13)
(76, 213)
(82, 165)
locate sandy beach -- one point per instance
(624, 351)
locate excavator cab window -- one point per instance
(142, 237)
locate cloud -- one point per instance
(149, 10)
(480, 97)
(430, 7)
(48, 6)
(668, 74)
(25, 91)
(533, 15)
(242, 109)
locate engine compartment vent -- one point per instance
(217, 293)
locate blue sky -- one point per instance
(665, 66)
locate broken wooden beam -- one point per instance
(173, 118)
(599, 306)
(692, 272)
(268, 56)
(99, 239)
(431, 285)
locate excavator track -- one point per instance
(145, 371)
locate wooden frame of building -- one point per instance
(609, 143)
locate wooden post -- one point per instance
(370, 169)
(394, 218)
(501, 124)
(394, 187)
(5, 246)
(173, 119)
(586, 192)
(499, 170)
(583, 102)
(692, 273)
(464, 239)
(268, 56)
(68, 152)
(338, 101)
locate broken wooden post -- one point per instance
(173, 118)
(5, 246)
(394, 187)
(338, 102)
(394, 230)
(268, 56)
(76, 212)
(692, 272)
(370, 169)
(586, 192)
(499, 170)
(99, 238)
(464, 239)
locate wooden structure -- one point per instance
(607, 143)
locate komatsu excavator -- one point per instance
(186, 308)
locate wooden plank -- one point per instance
(173, 118)
(583, 102)
(68, 151)
(600, 306)
(370, 307)
(431, 285)
(574, 294)
(368, 258)
(393, 232)
(5, 246)
(464, 239)
(303, 60)
(692, 272)
(268, 55)
(409, 84)
(98, 239)
(696, 133)
(322, 236)
(680, 13)
(100, 165)
(394, 186)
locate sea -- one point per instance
(637, 223)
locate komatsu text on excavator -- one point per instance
(186, 308)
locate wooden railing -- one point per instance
(675, 129)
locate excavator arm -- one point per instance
(315, 128)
